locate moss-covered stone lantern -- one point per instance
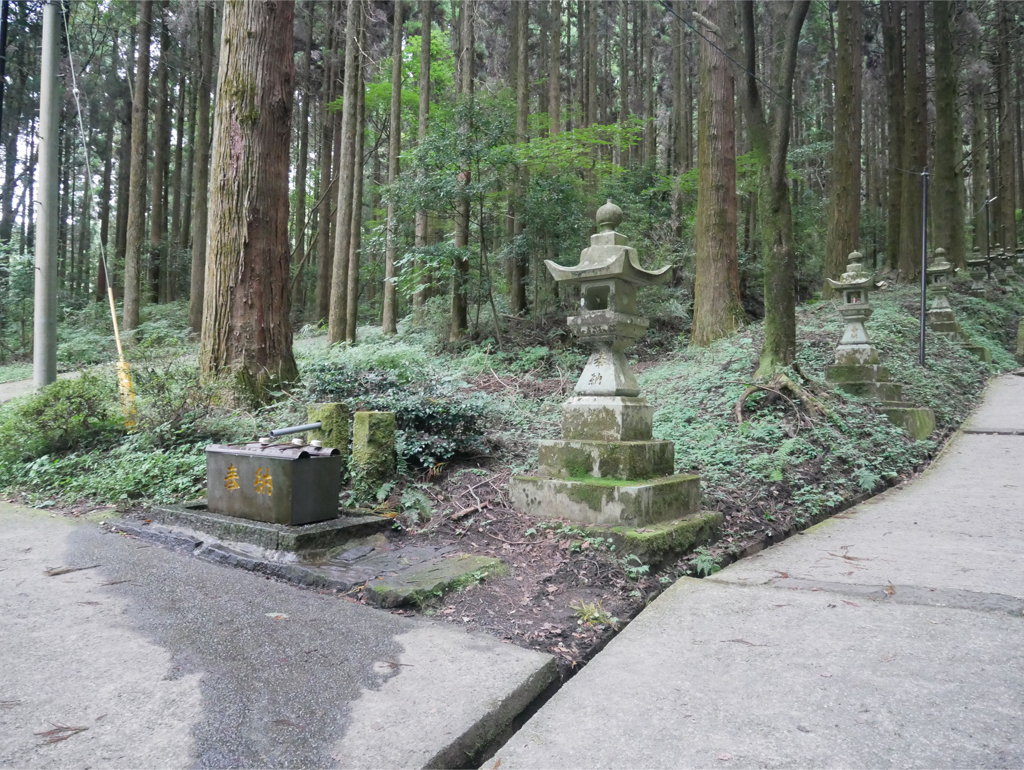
(607, 469)
(856, 369)
(940, 316)
(977, 267)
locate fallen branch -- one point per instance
(65, 570)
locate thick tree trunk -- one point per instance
(422, 223)
(124, 163)
(467, 63)
(200, 196)
(137, 184)
(892, 36)
(301, 170)
(915, 145)
(245, 306)
(338, 316)
(1007, 226)
(157, 214)
(651, 130)
(390, 319)
(949, 214)
(717, 310)
(591, 61)
(979, 142)
(844, 192)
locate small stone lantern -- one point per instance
(995, 265)
(607, 469)
(855, 348)
(977, 268)
(856, 369)
(940, 312)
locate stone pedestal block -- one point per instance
(606, 459)
(607, 418)
(608, 502)
(918, 421)
(373, 450)
(335, 430)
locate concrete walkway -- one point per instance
(166, 661)
(890, 636)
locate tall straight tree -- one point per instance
(1006, 228)
(422, 223)
(844, 191)
(915, 145)
(358, 177)
(246, 328)
(520, 261)
(769, 141)
(979, 145)
(201, 172)
(467, 65)
(303, 162)
(338, 315)
(717, 311)
(137, 185)
(161, 132)
(948, 198)
(390, 319)
(892, 38)
(555, 70)
(324, 245)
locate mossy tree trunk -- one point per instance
(137, 180)
(201, 172)
(769, 142)
(467, 62)
(948, 199)
(324, 243)
(844, 192)
(1006, 228)
(245, 309)
(422, 223)
(161, 140)
(892, 36)
(915, 145)
(390, 318)
(717, 310)
(298, 287)
(338, 316)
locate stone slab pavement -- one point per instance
(171, 661)
(889, 636)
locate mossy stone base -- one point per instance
(981, 353)
(606, 459)
(606, 501)
(334, 428)
(607, 418)
(432, 579)
(321, 536)
(657, 543)
(919, 422)
(840, 373)
(1020, 342)
(880, 391)
(373, 449)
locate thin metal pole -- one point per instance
(924, 265)
(44, 328)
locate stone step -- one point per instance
(840, 373)
(980, 352)
(657, 543)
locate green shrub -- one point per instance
(69, 414)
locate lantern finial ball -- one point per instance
(609, 216)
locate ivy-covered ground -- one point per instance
(469, 419)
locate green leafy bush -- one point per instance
(69, 414)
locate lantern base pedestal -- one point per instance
(610, 502)
(872, 381)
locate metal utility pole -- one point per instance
(44, 353)
(924, 267)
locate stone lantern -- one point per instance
(607, 469)
(995, 265)
(940, 316)
(853, 286)
(977, 268)
(856, 369)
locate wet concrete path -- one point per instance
(171, 661)
(890, 636)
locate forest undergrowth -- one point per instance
(469, 419)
